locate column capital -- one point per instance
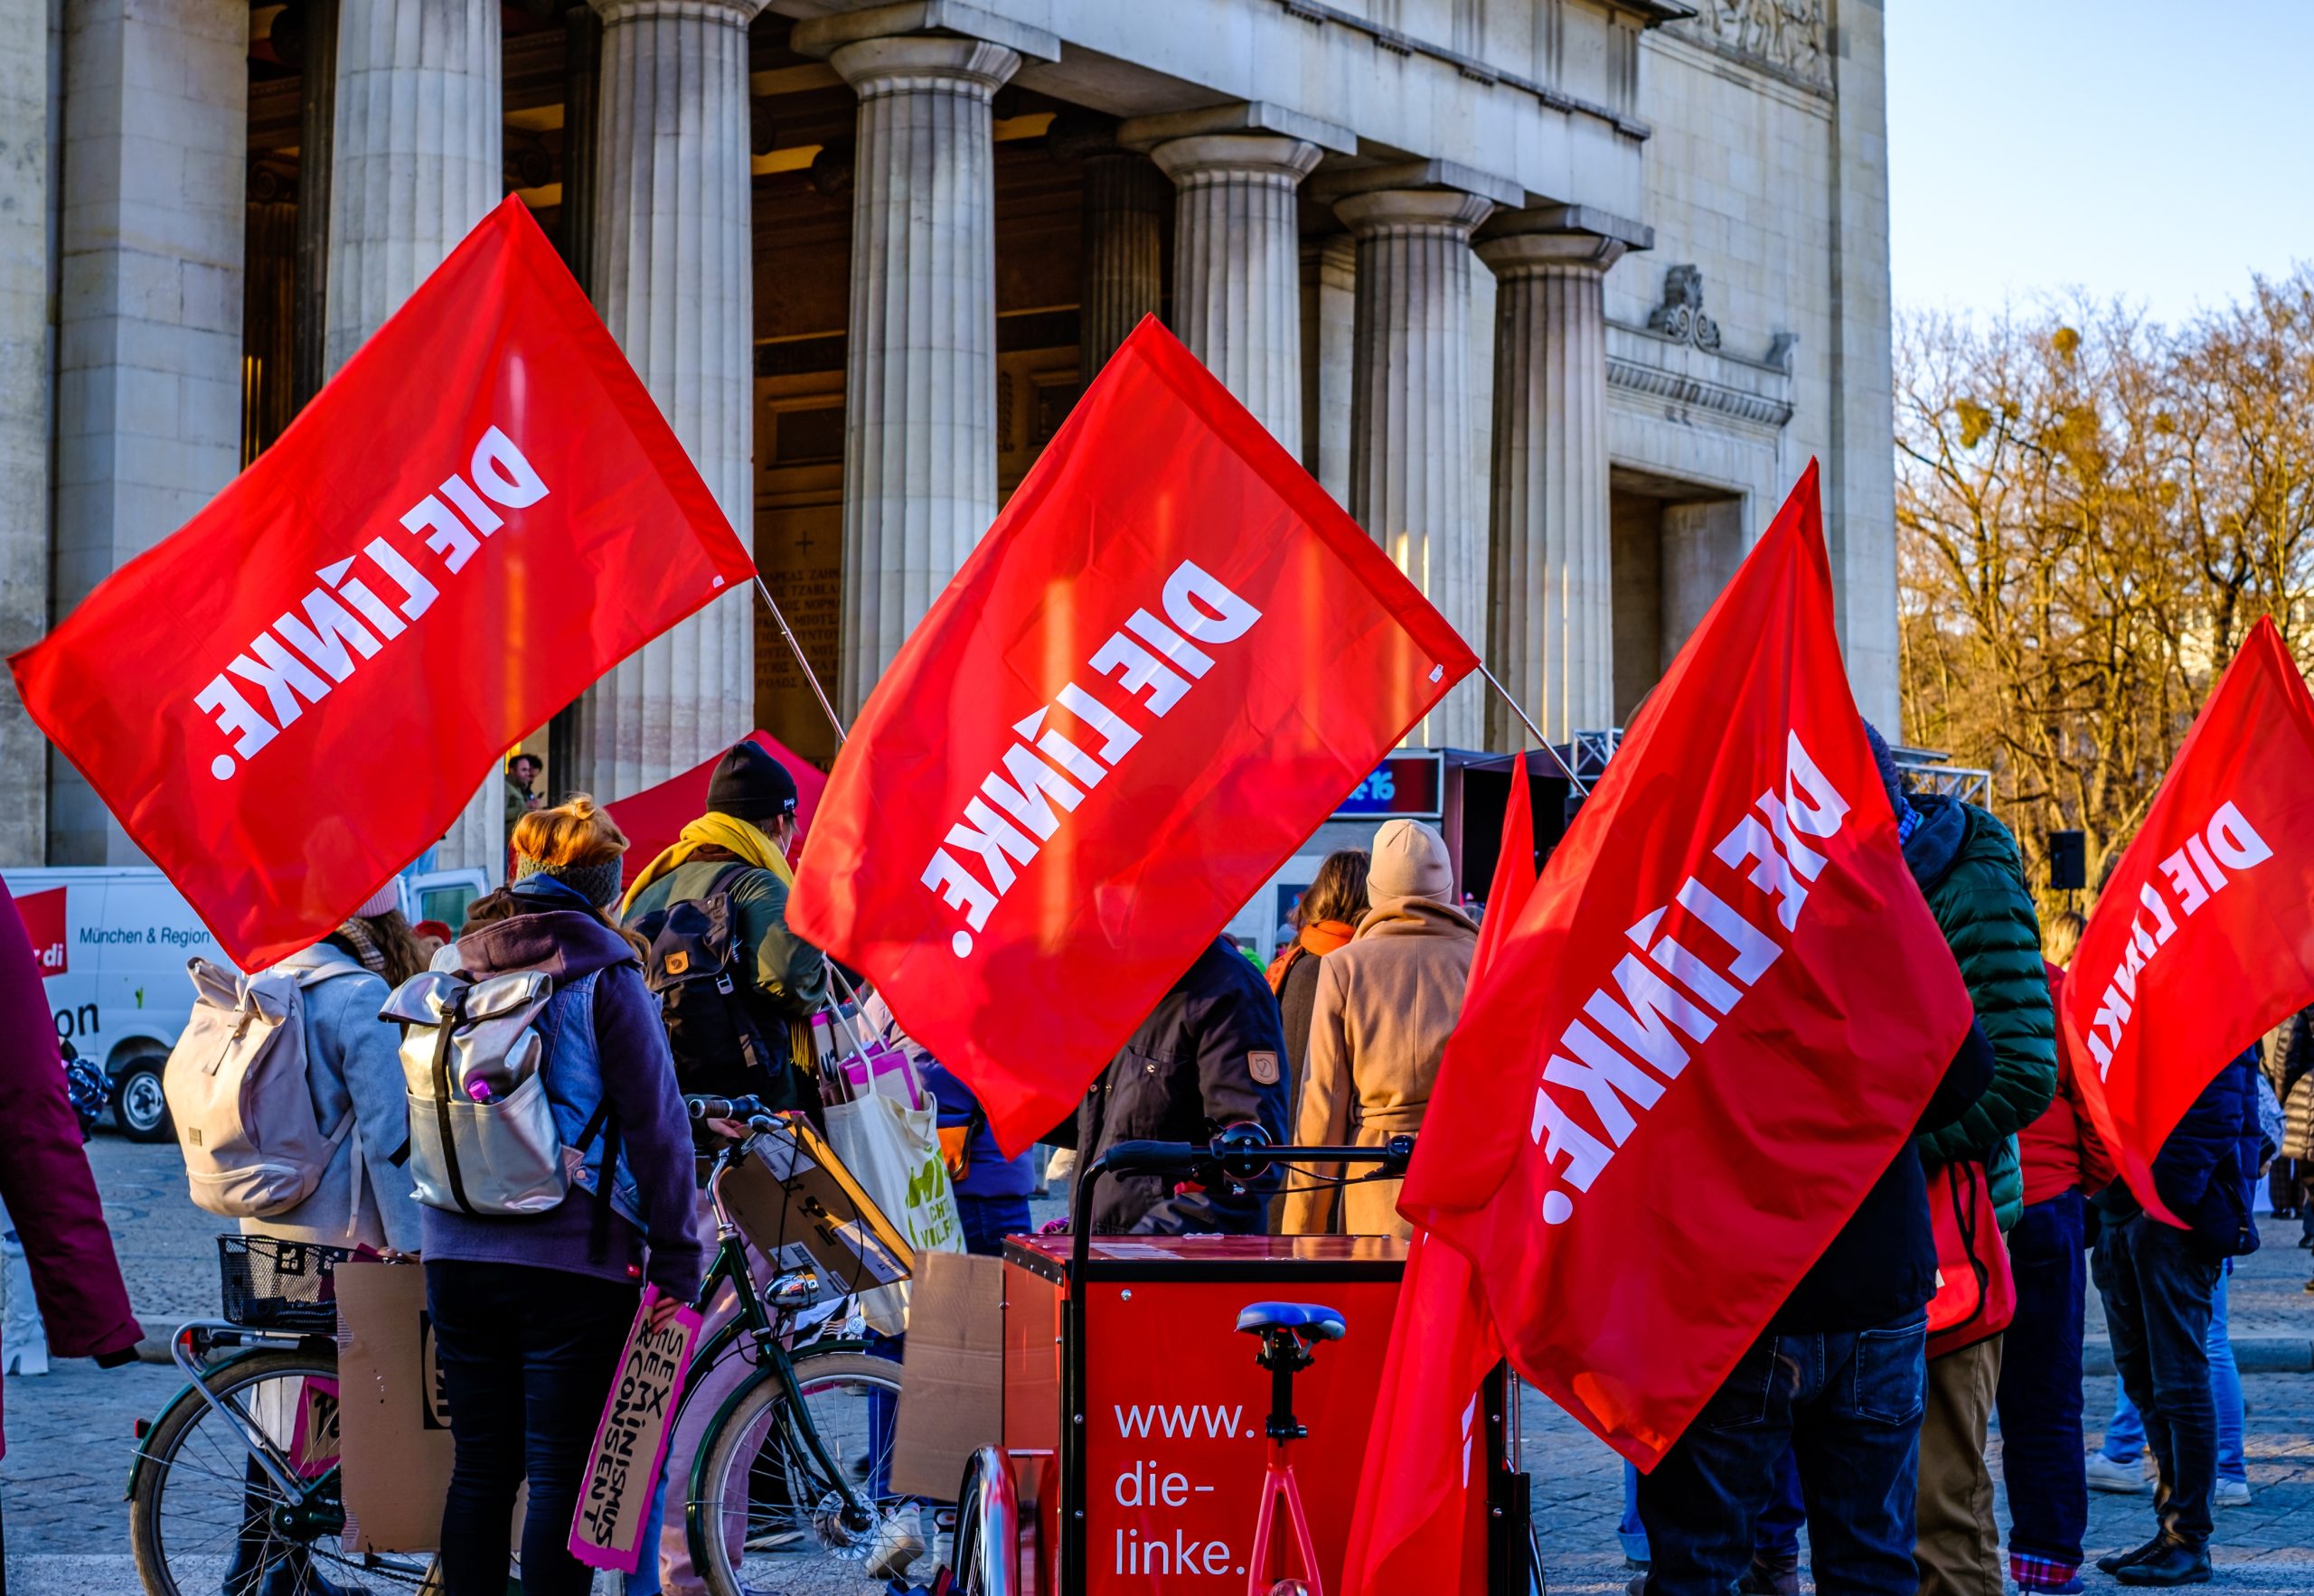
(1412, 210)
(734, 13)
(1559, 238)
(1243, 154)
(919, 61)
(956, 21)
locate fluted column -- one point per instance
(1237, 266)
(671, 269)
(1411, 425)
(414, 164)
(919, 461)
(1553, 642)
(1122, 237)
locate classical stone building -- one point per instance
(1556, 296)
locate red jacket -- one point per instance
(44, 1177)
(2060, 1149)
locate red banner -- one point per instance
(2203, 936)
(1717, 1019)
(1167, 663)
(1428, 1440)
(654, 818)
(294, 696)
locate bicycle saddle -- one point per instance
(1307, 1319)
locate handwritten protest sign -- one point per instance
(631, 1441)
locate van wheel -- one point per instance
(141, 1105)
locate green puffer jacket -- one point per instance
(1968, 867)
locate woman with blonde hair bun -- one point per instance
(529, 1312)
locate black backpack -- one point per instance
(712, 1026)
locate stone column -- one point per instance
(148, 369)
(1411, 425)
(1553, 642)
(1328, 336)
(415, 164)
(672, 273)
(26, 367)
(1122, 235)
(1237, 266)
(919, 465)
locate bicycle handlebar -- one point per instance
(1243, 1155)
(745, 1111)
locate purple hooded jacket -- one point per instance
(44, 1177)
(638, 1078)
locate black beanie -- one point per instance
(1891, 778)
(750, 785)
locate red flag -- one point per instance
(295, 695)
(1416, 1499)
(654, 818)
(2203, 937)
(1168, 660)
(1727, 986)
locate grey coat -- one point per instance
(353, 1064)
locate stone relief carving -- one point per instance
(1681, 316)
(1786, 35)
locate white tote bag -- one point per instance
(894, 1153)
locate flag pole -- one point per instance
(802, 663)
(1549, 747)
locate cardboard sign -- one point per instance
(952, 1399)
(392, 1418)
(631, 1441)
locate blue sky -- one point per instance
(2152, 148)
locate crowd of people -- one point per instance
(1955, 1292)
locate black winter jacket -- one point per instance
(1210, 1054)
(2204, 1170)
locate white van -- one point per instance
(112, 943)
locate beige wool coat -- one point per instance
(1386, 1004)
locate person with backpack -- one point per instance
(531, 1310)
(738, 989)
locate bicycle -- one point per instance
(235, 1484)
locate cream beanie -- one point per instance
(1409, 861)
(386, 899)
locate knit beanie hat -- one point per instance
(598, 883)
(1409, 861)
(1890, 777)
(750, 785)
(384, 901)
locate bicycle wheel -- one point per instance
(988, 1528)
(767, 1517)
(204, 1518)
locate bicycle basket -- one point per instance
(272, 1284)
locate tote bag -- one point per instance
(1976, 1293)
(894, 1152)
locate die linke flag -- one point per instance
(2203, 936)
(1416, 1508)
(1717, 1021)
(295, 694)
(1170, 658)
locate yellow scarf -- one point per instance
(711, 830)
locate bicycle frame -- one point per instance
(752, 1327)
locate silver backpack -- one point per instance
(483, 1138)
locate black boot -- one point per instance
(2118, 1561)
(2173, 1562)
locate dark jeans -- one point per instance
(526, 1355)
(2158, 1289)
(2039, 1395)
(988, 1220)
(1847, 1406)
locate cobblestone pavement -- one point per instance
(71, 1433)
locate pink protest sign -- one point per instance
(631, 1441)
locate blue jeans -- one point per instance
(2159, 1290)
(1846, 1406)
(2125, 1435)
(2039, 1395)
(988, 1220)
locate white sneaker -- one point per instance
(2123, 1478)
(899, 1543)
(2230, 1493)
